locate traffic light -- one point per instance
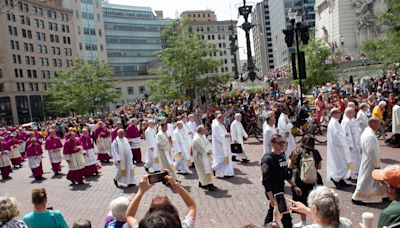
(294, 66)
(304, 35)
(289, 37)
(302, 65)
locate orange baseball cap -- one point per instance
(390, 174)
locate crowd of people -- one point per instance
(177, 138)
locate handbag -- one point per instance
(236, 148)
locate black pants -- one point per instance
(286, 219)
(397, 140)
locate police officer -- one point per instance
(275, 171)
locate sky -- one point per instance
(225, 10)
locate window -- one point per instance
(52, 38)
(24, 34)
(29, 34)
(80, 46)
(21, 73)
(29, 72)
(12, 44)
(1, 87)
(15, 31)
(44, 85)
(18, 87)
(30, 86)
(16, 73)
(27, 60)
(17, 45)
(10, 30)
(31, 47)
(130, 90)
(50, 25)
(99, 32)
(79, 30)
(54, 62)
(33, 62)
(142, 89)
(23, 86)
(26, 47)
(36, 87)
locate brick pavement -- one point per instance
(240, 201)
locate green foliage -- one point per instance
(385, 50)
(81, 89)
(185, 66)
(318, 72)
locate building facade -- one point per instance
(279, 21)
(88, 29)
(133, 35)
(262, 38)
(217, 33)
(345, 25)
(37, 42)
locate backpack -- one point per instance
(308, 171)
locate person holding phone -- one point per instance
(161, 207)
(275, 171)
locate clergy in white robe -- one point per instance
(152, 160)
(368, 190)
(122, 156)
(396, 122)
(192, 123)
(362, 116)
(188, 136)
(202, 159)
(237, 135)
(222, 160)
(352, 130)
(338, 152)
(180, 149)
(285, 129)
(164, 147)
(268, 131)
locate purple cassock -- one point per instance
(34, 154)
(5, 163)
(92, 167)
(53, 146)
(76, 161)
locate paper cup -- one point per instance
(368, 219)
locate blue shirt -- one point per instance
(48, 219)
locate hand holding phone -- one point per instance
(281, 203)
(157, 177)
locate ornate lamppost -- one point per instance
(245, 11)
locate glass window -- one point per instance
(130, 90)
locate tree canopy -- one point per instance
(82, 89)
(187, 69)
(385, 49)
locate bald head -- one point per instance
(121, 133)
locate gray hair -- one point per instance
(324, 202)
(8, 208)
(199, 128)
(118, 207)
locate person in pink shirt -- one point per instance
(15, 154)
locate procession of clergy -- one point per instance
(353, 150)
(175, 148)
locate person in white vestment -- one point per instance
(202, 159)
(352, 130)
(268, 130)
(122, 156)
(368, 190)
(338, 153)
(285, 129)
(396, 122)
(180, 149)
(222, 161)
(237, 135)
(152, 160)
(188, 136)
(164, 147)
(192, 123)
(362, 116)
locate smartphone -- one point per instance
(281, 202)
(157, 177)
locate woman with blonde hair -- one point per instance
(8, 211)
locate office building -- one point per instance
(217, 33)
(37, 41)
(133, 35)
(262, 38)
(279, 21)
(88, 29)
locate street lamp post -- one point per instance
(294, 32)
(245, 11)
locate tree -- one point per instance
(386, 48)
(318, 72)
(186, 66)
(81, 89)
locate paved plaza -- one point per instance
(241, 200)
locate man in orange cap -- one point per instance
(389, 178)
